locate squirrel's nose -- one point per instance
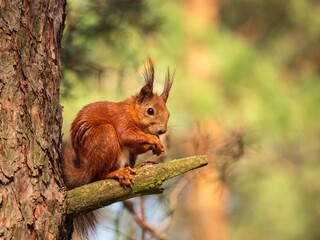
(161, 132)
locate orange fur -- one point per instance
(108, 136)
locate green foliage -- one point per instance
(262, 70)
(96, 37)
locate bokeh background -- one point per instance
(246, 93)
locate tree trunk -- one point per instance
(31, 200)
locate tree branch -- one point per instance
(148, 180)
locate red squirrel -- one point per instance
(107, 136)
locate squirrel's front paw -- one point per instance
(157, 147)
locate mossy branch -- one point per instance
(148, 180)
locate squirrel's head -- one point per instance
(152, 113)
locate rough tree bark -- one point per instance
(31, 200)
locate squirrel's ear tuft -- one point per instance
(167, 85)
(146, 91)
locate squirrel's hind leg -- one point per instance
(124, 175)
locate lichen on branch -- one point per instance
(148, 180)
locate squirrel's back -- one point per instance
(94, 146)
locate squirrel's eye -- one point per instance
(150, 111)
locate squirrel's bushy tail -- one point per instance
(83, 224)
(73, 173)
(74, 176)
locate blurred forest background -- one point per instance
(246, 93)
